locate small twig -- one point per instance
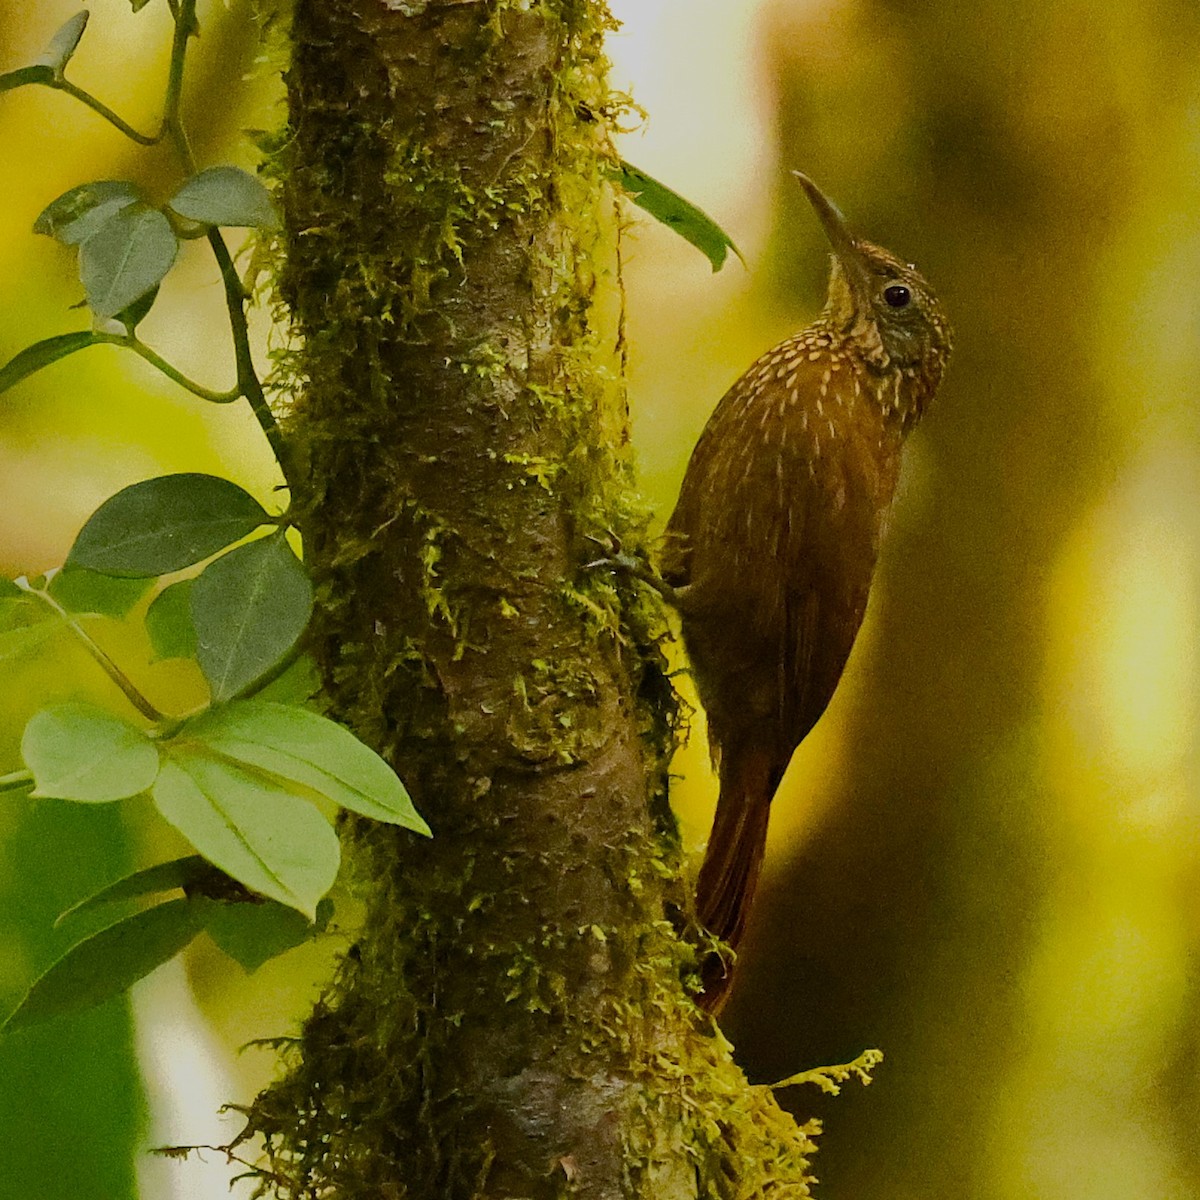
(181, 1152)
(172, 127)
(248, 383)
(111, 669)
(172, 120)
(184, 13)
(247, 378)
(177, 376)
(632, 566)
(131, 342)
(98, 106)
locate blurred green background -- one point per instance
(986, 859)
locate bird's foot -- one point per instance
(632, 566)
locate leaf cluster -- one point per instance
(126, 247)
(126, 244)
(238, 778)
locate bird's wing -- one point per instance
(766, 539)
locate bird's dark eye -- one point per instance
(897, 295)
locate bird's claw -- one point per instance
(626, 564)
(631, 565)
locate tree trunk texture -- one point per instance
(514, 1018)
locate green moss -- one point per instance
(558, 716)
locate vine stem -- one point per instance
(248, 383)
(156, 360)
(171, 127)
(131, 691)
(172, 121)
(247, 378)
(98, 106)
(15, 779)
(177, 376)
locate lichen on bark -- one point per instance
(513, 1019)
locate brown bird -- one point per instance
(772, 545)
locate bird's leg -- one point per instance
(632, 566)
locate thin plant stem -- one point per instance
(14, 780)
(184, 13)
(172, 120)
(131, 342)
(131, 691)
(247, 378)
(248, 383)
(172, 127)
(98, 106)
(173, 373)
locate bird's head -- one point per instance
(882, 305)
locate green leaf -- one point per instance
(24, 75)
(18, 609)
(79, 590)
(42, 354)
(253, 933)
(169, 622)
(300, 682)
(81, 211)
(162, 877)
(249, 607)
(62, 45)
(165, 524)
(79, 752)
(226, 196)
(108, 962)
(25, 622)
(125, 258)
(306, 748)
(136, 313)
(138, 5)
(266, 837)
(24, 639)
(675, 212)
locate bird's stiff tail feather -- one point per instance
(733, 860)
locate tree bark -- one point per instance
(513, 1019)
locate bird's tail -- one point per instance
(733, 860)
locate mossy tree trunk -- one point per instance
(513, 1019)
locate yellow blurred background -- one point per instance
(986, 859)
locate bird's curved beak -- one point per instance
(845, 247)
